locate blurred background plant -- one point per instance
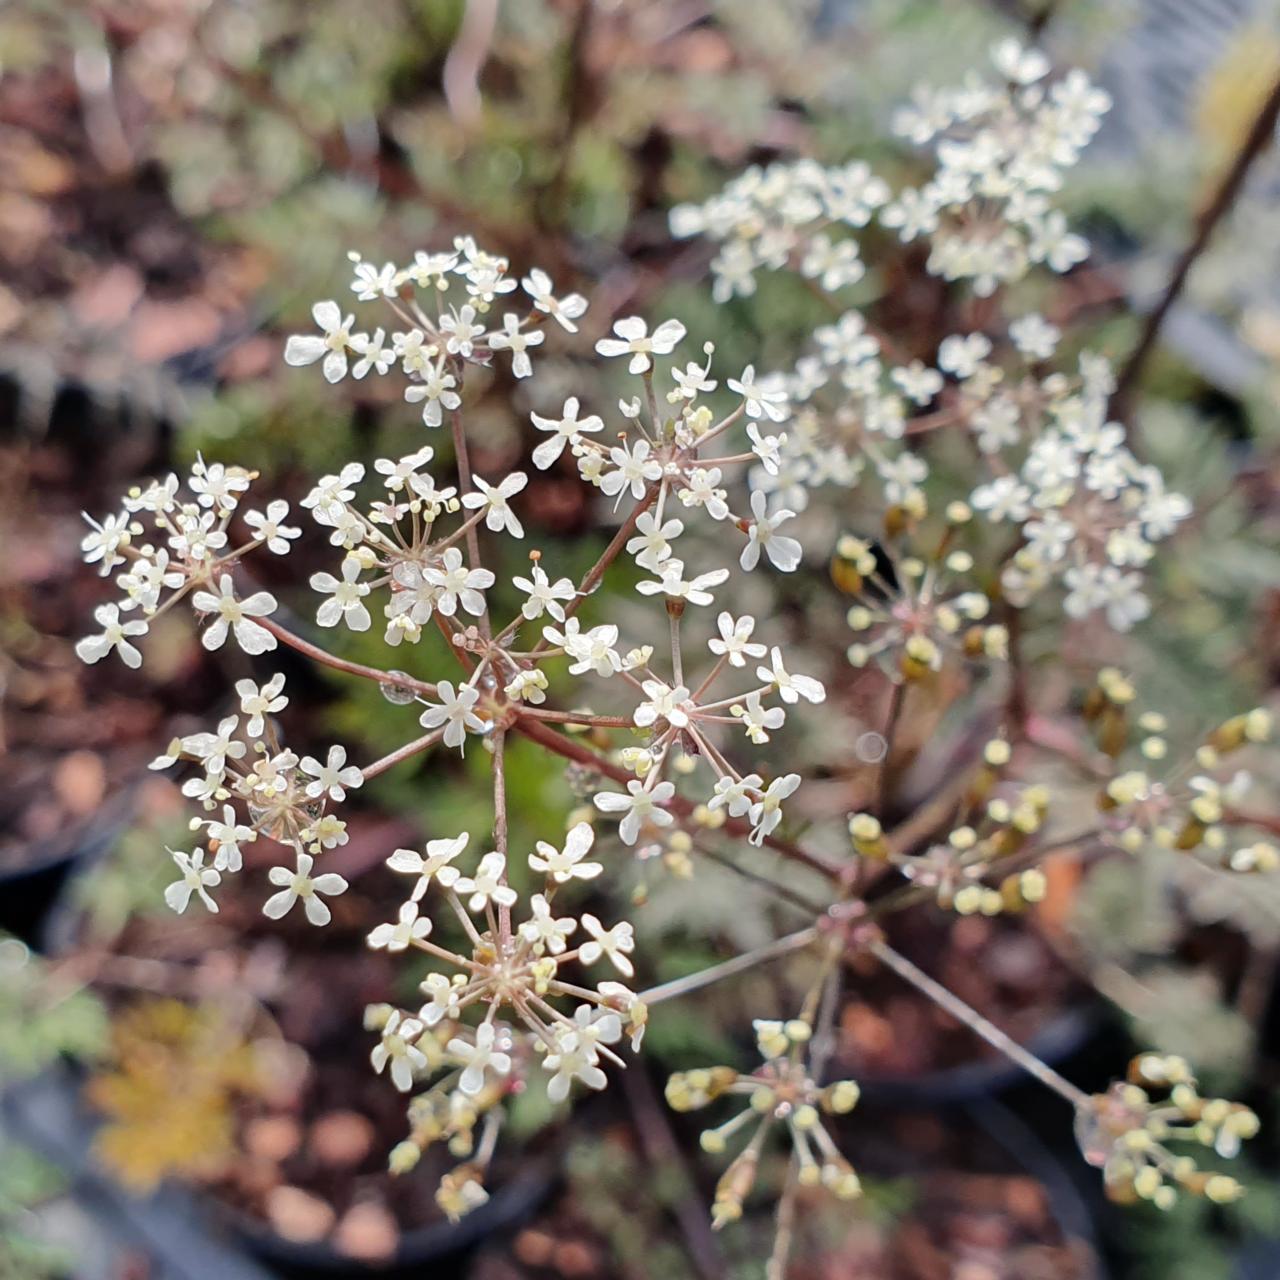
(179, 179)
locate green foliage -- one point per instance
(43, 1014)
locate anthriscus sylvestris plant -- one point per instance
(545, 995)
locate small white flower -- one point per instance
(370, 282)
(373, 354)
(764, 399)
(346, 598)
(637, 805)
(260, 701)
(756, 718)
(735, 795)
(652, 543)
(333, 347)
(462, 329)
(663, 703)
(566, 864)
(440, 853)
(196, 878)
(672, 582)
(103, 541)
(237, 615)
(766, 812)
(616, 943)
(543, 930)
(456, 584)
(499, 516)
(486, 1055)
(409, 927)
(487, 885)
(633, 468)
(543, 594)
(226, 837)
(333, 777)
(397, 1048)
(564, 311)
(436, 392)
(735, 640)
(511, 338)
(114, 636)
(791, 688)
(564, 430)
(635, 340)
(400, 474)
(271, 529)
(454, 711)
(917, 382)
(784, 553)
(301, 884)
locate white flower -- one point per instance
(485, 1055)
(765, 399)
(225, 838)
(575, 1055)
(462, 330)
(735, 640)
(301, 884)
(326, 500)
(528, 686)
(962, 354)
(638, 806)
(1017, 63)
(270, 529)
(635, 340)
(456, 584)
(217, 486)
(196, 878)
(454, 711)
(444, 999)
(631, 467)
(652, 543)
(566, 864)
(663, 703)
(1035, 337)
(333, 347)
(542, 930)
(370, 282)
(917, 382)
(791, 687)
(499, 515)
(408, 928)
(103, 541)
(487, 885)
(400, 474)
(260, 701)
(616, 943)
(766, 812)
(735, 795)
(397, 1048)
(114, 636)
(373, 355)
(238, 615)
(333, 777)
(543, 594)
(591, 650)
(563, 429)
(1004, 498)
(436, 391)
(440, 853)
(511, 338)
(564, 311)
(147, 578)
(783, 552)
(346, 602)
(672, 582)
(757, 719)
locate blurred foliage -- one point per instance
(25, 1251)
(167, 1096)
(43, 1015)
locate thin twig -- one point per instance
(727, 968)
(972, 1019)
(1260, 136)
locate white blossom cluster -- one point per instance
(409, 537)
(1084, 512)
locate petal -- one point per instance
(303, 350)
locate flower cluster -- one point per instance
(779, 1093)
(1188, 806)
(1126, 1131)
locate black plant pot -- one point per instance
(30, 892)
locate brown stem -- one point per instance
(413, 748)
(1260, 136)
(325, 658)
